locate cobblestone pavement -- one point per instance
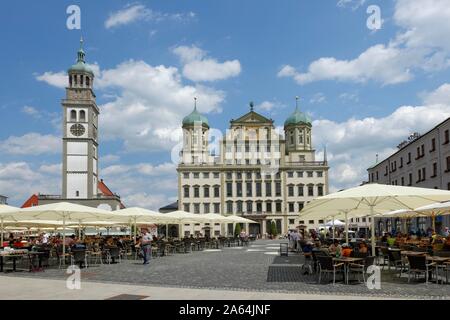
(254, 268)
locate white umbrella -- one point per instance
(63, 211)
(337, 223)
(5, 212)
(376, 197)
(434, 210)
(135, 215)
(179, 217)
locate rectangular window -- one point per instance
(206, 175)
(196, 208)
(446, 137)
(311, 221)
(448, 164)
(196, 192)
(403, 181)
(434, 170)
(310, 191)
(268, 189)
(196, 175)
(278, 207)
(422, 149)
(319, 174)
(300, 190)
(248, 175)
(320, 191)
(299, 174)
(259, 207)
(410, 179)
(229, 207)
(216, 192)
(216, 207)
(301, 222)
(239, 207)
(377, 175)
(291, 221)
(216, 175)
(258, 189)
(310, 174)
(186, 175)
(290, 174)
(229, 175)
(187, 207)
(229, 189)
(291, 191)
(300, 206)
(401, 162)
(419, 175)
(291, 207)
(269, 207)
(249, 206)
(278, 189)
(186, 192)
(433, 145)
(249, 191)
(206, 208)
(206, 192)
(424, 175)
(409, 158)
(239, 176)
(239, 189)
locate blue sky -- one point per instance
(366, 90)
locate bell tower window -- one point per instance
(81, 79)
(88, 81)
(82, 116)
(70, 81)
(73, 115)
(75, 79)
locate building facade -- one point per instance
(252, 171)
(80, 182)
(422, 161)
(3, 199)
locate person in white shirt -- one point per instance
(146, 246)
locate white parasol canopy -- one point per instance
(433, 210)
(375, 197)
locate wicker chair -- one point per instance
(419, 265)
(360, 268)
(327, 266)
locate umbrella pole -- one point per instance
(64, 241)
(372, 219)
(1, 245)
(346, 227)
(433, 219)
(333, 228)
(135, 231)
(167, 231)
(131, 231)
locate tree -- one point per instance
(273, 229)
(237, 229)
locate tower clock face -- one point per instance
(77, 130)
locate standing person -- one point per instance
(146, 246)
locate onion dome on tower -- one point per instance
(195, 118)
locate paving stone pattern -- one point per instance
(239, 269)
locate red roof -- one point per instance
(104, 189)
(31, 202)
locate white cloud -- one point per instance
(31, 144)
(139, 12)
(352, 145)
(347, 96)
(151, 104)
(57, 79)
(31, 111)
(133, 182)
(198, 67)
(439, 96)
(353, 4)
(19, 180)
(422, 44)
(318, 98)
(51, 169)
(110, 158)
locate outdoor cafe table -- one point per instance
(438, 260)
(347, 261)
(13, 255)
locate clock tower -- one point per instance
(80, 124)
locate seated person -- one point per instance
(334, 247)
(346, 250)
(362, 248)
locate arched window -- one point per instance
(82, 116)
(75, 79)
(81, 79)
(88, 81)
(70, 81)
(73, 115)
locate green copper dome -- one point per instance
(195, 118)
(298, 117)
(81, 66)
